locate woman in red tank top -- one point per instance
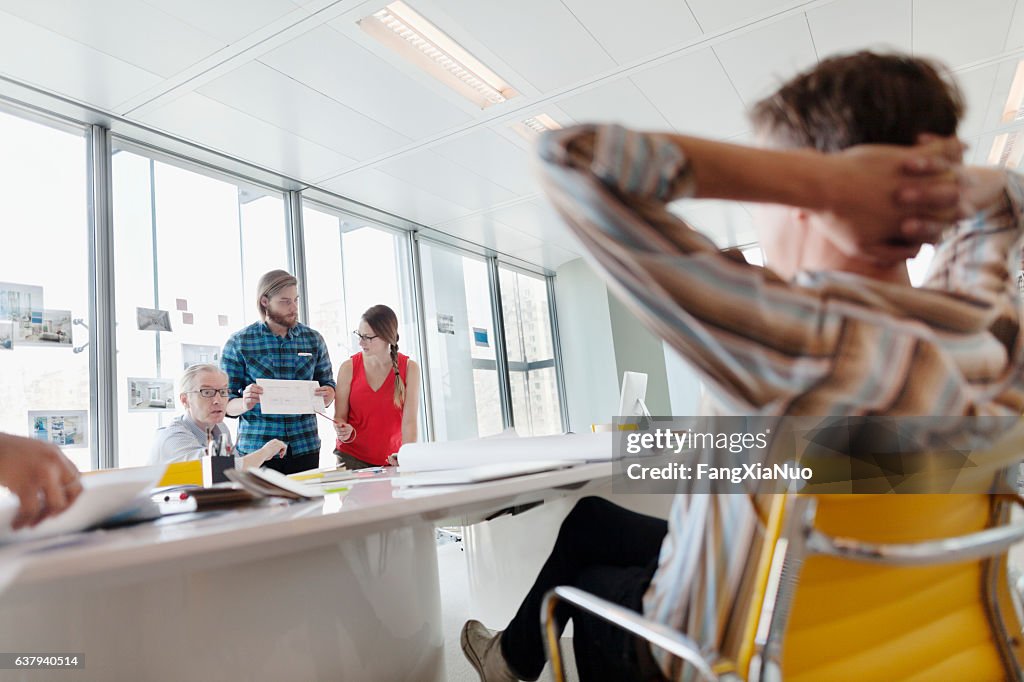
(377, 400)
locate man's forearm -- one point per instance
(236, 406)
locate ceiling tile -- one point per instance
(392, 195)
(726, 223)
(131, 31)
(483, 230)
(714, 15)
(493, 157)
(536, 217)
(548, 256)
(990, 110)
(629, 31)
(759, 61)
(980, 29)
(851, 25)
(330, 63)
(978, 87)
(228, 20)
(717, 111)
(541, 40)
(1015, 36)
(70, 68)
(234, 132)
(285, 103)
(446, 179)
(618, 101)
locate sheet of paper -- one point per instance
(103, 495)
(289, 396)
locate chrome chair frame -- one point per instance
(799, 539)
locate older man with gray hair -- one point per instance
(204, 394)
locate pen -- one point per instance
(335, 490)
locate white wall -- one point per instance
(588, 353)
(601, 338)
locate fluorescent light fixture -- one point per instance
(1008, 148)
(529, 128)
(400, 28)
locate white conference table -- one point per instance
(340, 588)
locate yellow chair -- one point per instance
(856, 587)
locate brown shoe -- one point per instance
(483, 649)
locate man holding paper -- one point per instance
(278, 349)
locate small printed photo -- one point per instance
(445, 323)
(194, 354)
(181, 303)
(50, 328)
(151, 319)
(145, 395)
(6, 335)
(187, 318)
(222, 320)
(21, 304)
(64, 428)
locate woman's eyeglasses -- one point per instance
(364, 337)
(210, 392)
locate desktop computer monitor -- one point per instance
(634, 392)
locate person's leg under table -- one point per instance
(596, 535)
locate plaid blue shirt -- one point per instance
(257, 353)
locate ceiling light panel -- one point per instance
(404, 31)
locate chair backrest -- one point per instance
(842, 618)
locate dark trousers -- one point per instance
(292, 464)
(352, 462)
(610, 552)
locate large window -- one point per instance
(189, 249)
(536, 408)
(352, 265)
(461, 344)
(44, 285)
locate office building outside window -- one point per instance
(536, 408)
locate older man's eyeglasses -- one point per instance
(210, 392)
(364, 337)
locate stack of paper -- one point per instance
(572, 448)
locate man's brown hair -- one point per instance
(270, 285)
(862, 98)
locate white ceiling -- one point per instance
(296, 87)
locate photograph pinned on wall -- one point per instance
(6, 335)
(64, 428)
(49, 328)
(480, 337)
(194, 354)
(150, 395)
(222, 320)
(151, 319)
(188, 318)
(20, 304)
(445, 323)
(181, 303)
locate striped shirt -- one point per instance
(183, 439)
(827, 344)
(257, 353)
